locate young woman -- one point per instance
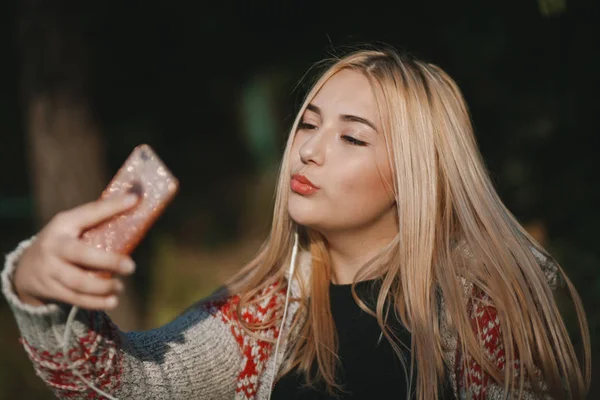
(392, 270)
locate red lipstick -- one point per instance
(301, 185)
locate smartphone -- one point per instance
(144, 174)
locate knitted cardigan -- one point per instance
(203, 353)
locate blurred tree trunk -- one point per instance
(65, 146)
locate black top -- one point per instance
(370, 368)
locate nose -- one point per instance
(312, 150)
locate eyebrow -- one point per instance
(345, 117)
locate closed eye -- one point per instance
(354, 141)
(306, 125)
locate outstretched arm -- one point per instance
(194, 356)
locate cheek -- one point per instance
(362, 188)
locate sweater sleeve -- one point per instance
(472, 382)
(486, 324)
(467, 378)
(194, 356)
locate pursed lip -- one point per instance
(303, 179)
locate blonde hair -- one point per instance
(453, 228)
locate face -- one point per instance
(339, 161)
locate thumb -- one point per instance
(93, 213)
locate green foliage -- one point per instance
(552, 7)
(260, 122)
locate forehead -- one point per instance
(348, 92)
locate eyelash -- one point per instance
(353, 141)
(349, 139)
(304, 125)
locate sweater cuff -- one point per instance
(37, 323)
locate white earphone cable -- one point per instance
(74, 309)
(285, 307)
(65, 348)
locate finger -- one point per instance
(86, 282)
(83, 300)
(92, 213)
(101, 274)
(77, 252)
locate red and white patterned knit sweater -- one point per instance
(203, 354)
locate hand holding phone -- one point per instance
(144, 174)
(73, 258)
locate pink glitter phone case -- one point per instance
(146, 175)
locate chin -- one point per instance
(305, 216)
(302, 219)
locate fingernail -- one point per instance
(119, 286)
(130, 199)
(128, 265)
(111, 301)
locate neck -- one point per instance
(350, 250)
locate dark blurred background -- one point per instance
(212, 86)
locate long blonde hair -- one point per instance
(453, 228)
